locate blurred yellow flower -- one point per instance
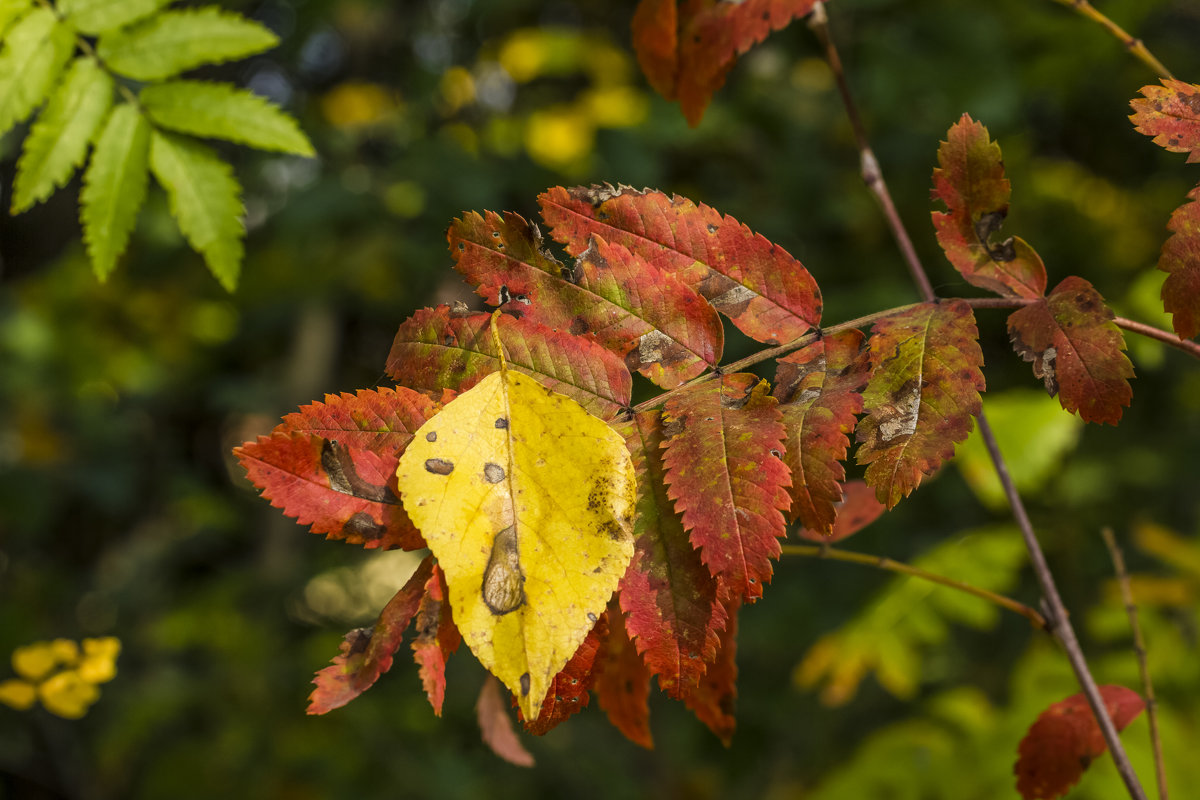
(69, 691)
(99, 663)
(34, 661)
(67, 694)
(616, 106)
(17, 694)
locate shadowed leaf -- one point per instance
(1180, 259)
(437, 638)
(858, 508)
(712, 700)
(623, 685)
(568, 693)
(496, 726)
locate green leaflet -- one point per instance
(221, 111)
(35, 51)
(98, 16)
(10, 10)
(174, 41)
(58, 141)
(205, 200)
(114, 187)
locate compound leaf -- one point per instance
(623, 685)
(712, 699)
(1076, 349)
(437, 638)
(221, 111)
(1171, 114)
(114, 187)
(723, 455)
(1180, 259)
(10, 12)
(767, 293)
(34, 54)
(971, 182)
(98, 16)
(924, 389)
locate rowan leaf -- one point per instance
(99, 16)
(1180, 259)
(34, 53)
(764, 291)
(568, 692)
(10, 12)
(1076, 349)
(924, 389)
(114, 187)
(366, 653)
(527, 502)
(674, 614)
(661, 326)
(1066, 738)
(970, 181)
(175, 41)
(656, 43)
(1171, 114)
(205, 200)
(437, 638)
(712, 699)
(623, 684)
(439, 348)
(332, 465)
(819, 388)
(858, 508)
(496, 726)
(58, 141)
(221, 111)
(723, 453)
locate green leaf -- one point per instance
(58, 142)
(174, 41)
(98, 16)
(206, 201)
(35, 51)
(114, 187)
(220, 111)
(10, 10)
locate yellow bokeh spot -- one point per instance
(405, 199)
(606, 63)
(616, 106)
(99, 664)
(34, 661)
(559, 137)
(356, 105)
(67, 695)
(523, 55)
(458, 89)
(17, 694)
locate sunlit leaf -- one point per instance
(34, 54)
(114, 187)
(569, 691)
(221, 111)
(1171, 114)
(98, 16)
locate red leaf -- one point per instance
(496, 725)
(661, 326)
(1180, 259)
(438, 348)
(818, 387)
(1065, 739)
(1171, 114)
(367, 652)
(725, 473)
(655, 40)
(767, 294)
(668, 592)
(437, 638)
(858, 510)
(924, 389)
(1076, 349)
(713, 698)
(971, 183)
(568, 692)
(623, 684)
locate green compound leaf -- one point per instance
(206, 201)
(58, 142)
(10, 11)
(114, 187)
(35, 51)
(221, 111)
(174, 41)
(98, 16)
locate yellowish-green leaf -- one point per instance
(527, 502)
(114, 187)
(98, 16)
(10, 11)
(174, 41)
(34, 53)
(221, 111)
(206, 201)
(58, 141)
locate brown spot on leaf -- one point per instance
(439, 466)
(431, 436)
(502, 423)
(503, 581)
(363, 525)
(493, 473)
(525, 684)
(343, 475)
(579, 326)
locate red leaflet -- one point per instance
(437, 638)
(971, 183)
(660, 326)
(623, 685)
(668, 592)
(1065, 739)
(767, 294)
(367, 652)
(1076, 349)
(924, 389)
(655, 40)
(713, 698)
(1180, 259)
(569, 690)
(725, 473)
(1171, 114)
(818, 387)
(496, 726)
(439, 348)
(858, 510)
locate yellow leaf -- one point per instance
(526, 500)
(17, 694)
(67, 695)
(34, 661)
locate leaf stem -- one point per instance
(1139, 649)
(1135, 46)
(825, 551)
(1166, 337)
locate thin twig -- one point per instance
(1166, 337)
(1060, 623)
(1139, 649)
(824, 551)
(1135, 46)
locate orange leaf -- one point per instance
(1171, 114)
(623, 685)
(496, 726)
(568, 693)
(1180, 259)
(437, 638)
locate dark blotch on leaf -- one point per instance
(501, 423)
(493, 473)
(525, 684)
(362, 524)
(431, 436)
(439, 466)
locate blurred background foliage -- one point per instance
(122, 514)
